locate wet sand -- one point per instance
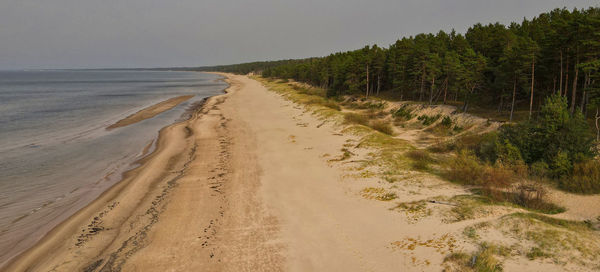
(150, 111)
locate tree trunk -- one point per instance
(597, 127)
(446, 90)
(532, 81)
(512, 105)
(566, 90)
(501, 100)
(466, 105)
(561, 73)
(583, 96)
(367, 95)
(431, 90)
(422, 84)
(378, 83)
(574, 93)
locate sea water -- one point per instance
(56, 155)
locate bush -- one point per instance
(484, 145)
(533, 196)
(465, 169)
(560, 165)
(495, 180)
(508, 154)
(354, 118)
(584, 179)
(382, 126)
(539, 169)
(556, 137)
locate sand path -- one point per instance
(241, 186)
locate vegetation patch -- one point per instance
(561, 240)
(421, 159)
(414, 211)
(444, 244)
(403, 113)
(355, 118)
(378, 194)
(313, 97)
(484, 259)
(382, 126)
(427, 120)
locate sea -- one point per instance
(56, 155)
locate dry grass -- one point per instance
(483, 260)
(378, 194)
(355, 118)
(414, 211)
(382, 126)
(563, 241)
(312, 97)
(421, 159)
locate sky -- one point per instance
(159, 33)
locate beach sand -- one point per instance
(237, 187)
(244, 185)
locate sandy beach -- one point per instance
(210, 197)
(248, 184)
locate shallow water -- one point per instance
(55, 153)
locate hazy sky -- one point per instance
(152, 33)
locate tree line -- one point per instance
(495, 65)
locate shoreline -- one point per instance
(146, 154)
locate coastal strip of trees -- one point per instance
(498, 66)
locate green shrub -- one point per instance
(483, 145)
(508, 154)
(584, 179)
(555, 137)
(403, 113)
(447, 121)
(465, 169)
(354, 118)
(382, 126)
(539, 169)
(560, 165)
(427, 120)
